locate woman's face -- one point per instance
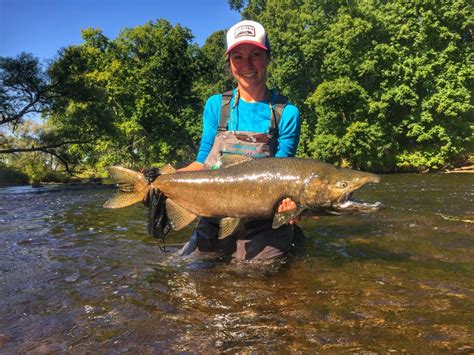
(249, 65)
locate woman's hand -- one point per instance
(194, 166)
(286, 205)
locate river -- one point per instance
(76, 278)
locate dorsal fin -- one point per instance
(232, 159)
(167, 169)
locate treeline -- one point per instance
(382, 86)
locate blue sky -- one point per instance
(42, 27)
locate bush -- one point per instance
(11, 176)
(55, 176)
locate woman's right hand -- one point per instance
(194, 166)
(286, 205)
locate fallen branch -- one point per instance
(463, 169)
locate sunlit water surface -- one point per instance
(75, 277)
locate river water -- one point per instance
(76, 278)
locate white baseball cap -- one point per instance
(247, 32)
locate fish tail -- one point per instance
(132, 185)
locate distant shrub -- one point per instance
(55, 176)
(11, 176)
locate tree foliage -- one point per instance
(25, 89)
(37, 150)
(26, 94)
(382, 85)
(131, 96)
(213, 71)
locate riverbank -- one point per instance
(10, 176)
(85, 182)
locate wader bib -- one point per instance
(256, 239)
(257, 145)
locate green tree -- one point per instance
(36, 149)
(25, 88)
(381, 85)
(131, 96)
(27, 92)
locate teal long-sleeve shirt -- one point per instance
(251, 117)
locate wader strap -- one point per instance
(225, 109)
(277, 108)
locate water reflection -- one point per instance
(79, 278)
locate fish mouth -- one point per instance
(351, 206)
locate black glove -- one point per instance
(151, 174)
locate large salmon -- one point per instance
(246, 188)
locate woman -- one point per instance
(251, 120)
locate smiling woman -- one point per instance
(250, 120)
(248, 51)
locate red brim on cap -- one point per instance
(258, 44)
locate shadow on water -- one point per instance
(79, 278)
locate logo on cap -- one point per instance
(245, 30)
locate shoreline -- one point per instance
(46, 184)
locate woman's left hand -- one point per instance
(286, 205)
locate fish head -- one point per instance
(332, 191)
(343, 185)
(344, 182)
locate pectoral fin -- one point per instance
(178, 216)
(282, 218)
(228, 225)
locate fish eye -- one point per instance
(343, 184)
